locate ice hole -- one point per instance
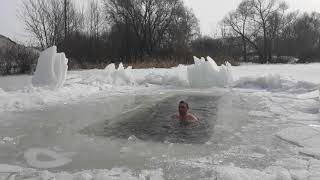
(155, 123)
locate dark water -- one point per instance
(155, 123)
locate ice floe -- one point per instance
(118, 76)
(206, 73)
(301, 136)
(51, 69)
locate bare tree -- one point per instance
(149, 19)
(95, 19)
(183, 29)
(263, 11)
(278, 26)
(33, 14)
(48, 21)
(65, 19)
(306, 36)
(259, 23)
(240, 23)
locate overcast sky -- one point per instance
(209, 12)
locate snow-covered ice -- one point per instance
(267, 124)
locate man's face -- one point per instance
(183, 108)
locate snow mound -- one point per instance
(260, 114)
(274, 82)
(266, 82)
(175, 76)
(51, 69)
(203, 74)
(120, 76)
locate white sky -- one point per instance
(209, 12)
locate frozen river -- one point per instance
(259, 127)
(131, 131)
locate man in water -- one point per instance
(184, 115)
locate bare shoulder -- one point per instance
(192, 117)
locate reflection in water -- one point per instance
(156, 124)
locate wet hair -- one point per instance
(184, 102)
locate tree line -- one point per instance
(130, 31)
(265, 29)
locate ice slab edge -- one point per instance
(307, 138)
(51, 70)
(206, 73)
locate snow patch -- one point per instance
(2, 92)
(235, 173)
(31, 156)
(266, 82)
(175, 76)
(5, 168)
(304, 116)
(98, 174)
(152, 174)
(276, 83)
(260, 114)
(309, 95)
(292, 163)
(219, 172)
(299, 174)
(51, 69)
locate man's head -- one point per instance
(183, 108)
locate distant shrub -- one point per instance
(17, 59)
